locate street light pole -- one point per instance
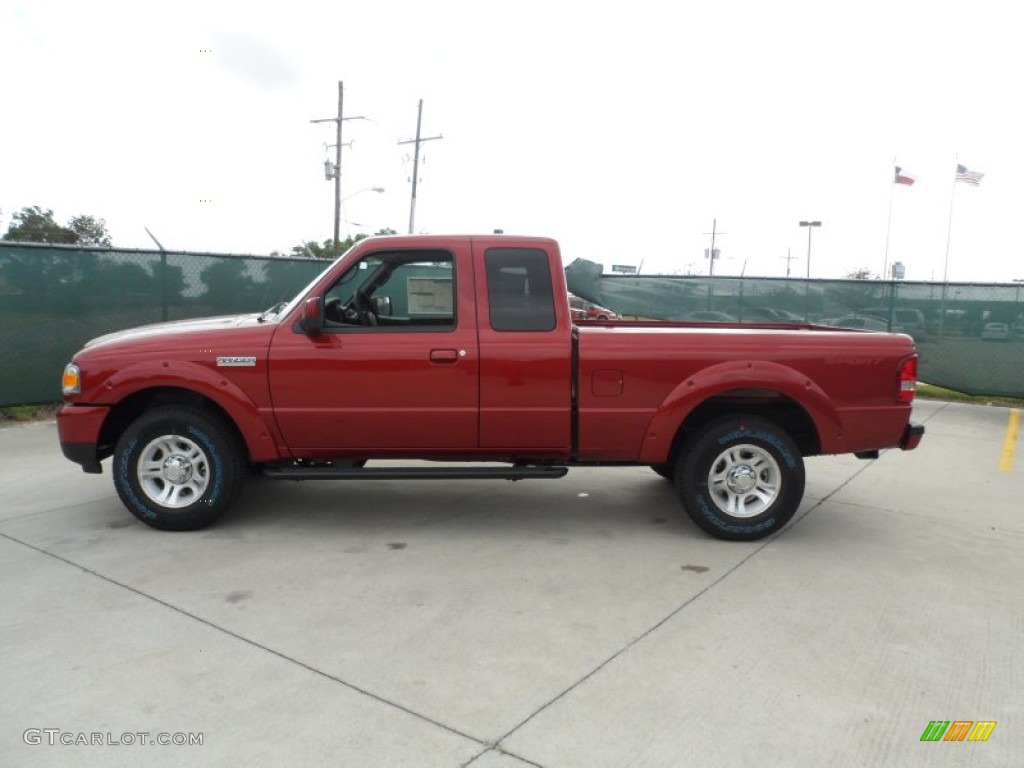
(378, 190)
(810, 228)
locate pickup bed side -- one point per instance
(626, 401)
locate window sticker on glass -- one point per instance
(430, 296)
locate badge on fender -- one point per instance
(236, 362)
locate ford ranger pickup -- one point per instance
(458, 357)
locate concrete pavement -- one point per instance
(580, 622)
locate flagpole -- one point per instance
(945, 265)
(888, 224)
(949, 229)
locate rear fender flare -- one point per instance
(723, 378)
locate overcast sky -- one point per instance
(621, 129)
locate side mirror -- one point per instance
(312, 315)
(382, 305)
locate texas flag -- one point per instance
(902, 178)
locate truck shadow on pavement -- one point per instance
(587, 502)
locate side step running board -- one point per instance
(415, 473)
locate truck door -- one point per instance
(396, 367)
(525, 353)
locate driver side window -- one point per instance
(394, 291)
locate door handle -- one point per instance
(446, 355)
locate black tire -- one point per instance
(741, 478)
(196, 466)
(668, 471)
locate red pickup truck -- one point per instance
(462, 350)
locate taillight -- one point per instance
(908, 380)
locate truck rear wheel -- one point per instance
(741, 478)
(178, 469)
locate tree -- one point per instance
(90, 230)
(862, 273)
(310, 249)
(33, 224)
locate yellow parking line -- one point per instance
(1010, 443)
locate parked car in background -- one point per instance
(786, 316)
(909, 321)
(759, 315)
(767, 315)
(862, 322)
(707, 316)
(995, 332)
(581, 309)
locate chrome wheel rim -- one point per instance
(173, 471)
(744, 481)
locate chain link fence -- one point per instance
(55, 298)
(970, 336)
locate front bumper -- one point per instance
(79, 428)
(911, 436)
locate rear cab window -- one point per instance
(519, 291)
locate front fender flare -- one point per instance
(725, 377)
(261, 438)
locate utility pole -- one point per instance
(337, 166)
(713, 254)
(789, 257)
(337, 159)
(416, 163)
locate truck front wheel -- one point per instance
(741, 478)
(178, 469)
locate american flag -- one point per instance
(968, 177)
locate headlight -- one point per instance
(72, 382)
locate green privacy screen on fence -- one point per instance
(54, 298)
(970, 336)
